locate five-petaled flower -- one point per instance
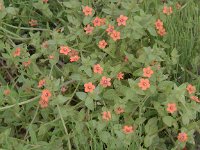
(195, 98)
(17, 52)
(144, 84)
(120, 76)
(6, 92)
(171, 107)
(87, 11)
(119, 110)
(89, 87)
(98, 69)
(46, 94)
(122, 20)
(26, 63)
(110, 29)
(182, 137)
(128, 129)
(159, 24)
(88, 29)
(115, 35)
(102, 44)
(43, 103)
(191, 89)
(105, 82)
(33, 23)
(41, 83)
(45, 1)
(74, 58)
(97, 21)
(147, 72)
(106, 115)
(64, 50)
(167, 10)
(161, 31)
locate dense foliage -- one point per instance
(102, 74)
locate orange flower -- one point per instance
(115, 35)
(120, 76)
(41, 83)
(97, 21)
(144, 84)
(110, 29)
(102, 44)
(51, 56)
(106, 115)
(87, 11)
(64, 50)
(89, 29)
(105, 82)
(74, 58)
(191, 89)
(119, 110)
(43, 103)
(162, 31)
(182, 137)
(128, 129)
(122, 20)
(159, 24)
(46, 94)
(6, 92)
(26, 63)
(171, 107)
(17, 52)
(103, 21)
(33, 23)
(147, 72)
(73, 53)
(167, 10)
(89, 87)
(195, 98)
(97, 69)
(45, 1)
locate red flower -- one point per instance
(162, 31)
(33, 23)
(26, 63)
(144, 84)
(41, 83)
(97, 69)
(89, 29)
(122, 20)
(6, 92)
(147, 72)
(182, 137)
(119, 110)
(43, 103)
(128, 129)
(106, 115)
(74, 58)
(195, 98)
(171, 107)
(97, 21)
(110, 29)
(45, 1)
(46, 94)
(17, 52)
(159, 24)
(89, 87)
(64, 50)
(191, 89)
(87, 11)
(105, 82)
(102, 44)
(120, 76)
(115, 35)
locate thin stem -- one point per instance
(65, 128)
(19, 104)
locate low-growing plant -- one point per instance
(92, 75)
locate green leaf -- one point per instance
(32, 134)
(104, 136)
(168, 120)
(152, 31)
(89, 103)
(87, 20)
(110, 94)
(148, 140)
(81, 95)
(174, 56)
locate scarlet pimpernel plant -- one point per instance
(92, 75)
